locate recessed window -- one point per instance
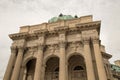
(78, 68)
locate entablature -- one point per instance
(79, 28)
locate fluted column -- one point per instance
(88, 61)
(99, 60)
(10, 63)
(62, 63)
(18, 62)
(38, 68)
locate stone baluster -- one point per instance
(88, 61)
(39, 61)
(18, 62)
(99, 60)
(10, 63)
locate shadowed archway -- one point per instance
(76, 68)
(52, 69)
(30, 69)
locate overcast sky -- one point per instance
(16, 13)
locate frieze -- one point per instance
(75, 47)
(19, 43)
(52, 49)
(89, 34)
(30, 51)
(52, 40)
(31, 43)
(74, 37)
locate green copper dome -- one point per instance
(60, 17)
(115, 68)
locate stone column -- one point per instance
(38, 67)
(67, 70)
(62, 63)
(16, 71)
(43, 71)
(88, 61)
(22, 72)
(99, 60)
(10, 63)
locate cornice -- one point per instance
(61, 29)
(17, 36)
(41, 32)
(89, 25)
(106, 55)
(57, 30)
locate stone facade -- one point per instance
(61, 50)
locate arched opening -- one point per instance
(76, 68)
(52, 69)
(30, 69)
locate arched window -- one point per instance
(78, 68)
(56, 73)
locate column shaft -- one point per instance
(21, 73)
(43, 72)
(88, 61)
(17, 66)
(38, 67)
(99, 60)
(62, 66)
(10, 64)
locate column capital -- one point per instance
(86, 42)
(62, 44)
(40, 46)
(13, 49)
(21, 49)
(95, 41)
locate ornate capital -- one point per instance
(21, 49)
(62, 44)
(95, 41)
(13, 49)
(40, 47)
(86, 42)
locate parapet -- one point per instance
(70, 22)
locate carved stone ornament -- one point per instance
(96, 41)
(13, 49)
(86, 42)
(18, 43)
(53, 48)
(41, 40)
(62, 44)
(40, 47)
(75, 47)
(21, 49)
(62, 37)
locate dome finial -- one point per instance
(76, 16)
(60, 15)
